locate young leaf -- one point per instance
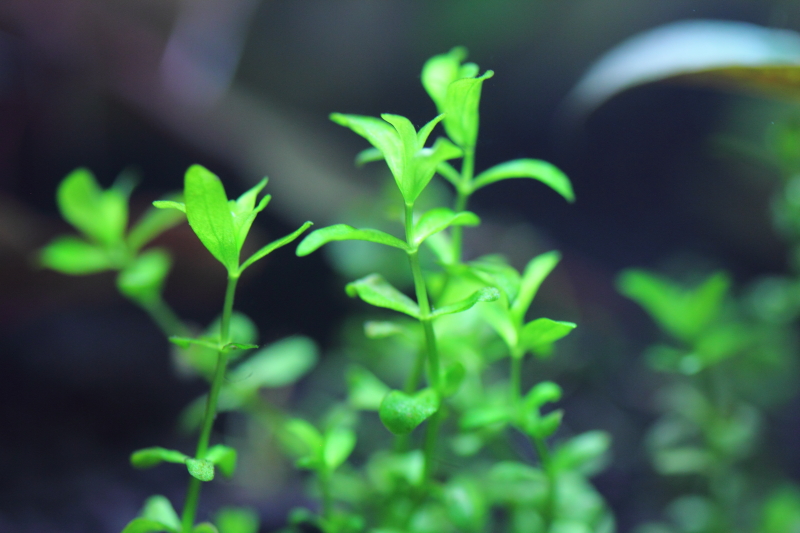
(527, 168)
(71, 255)
(303, 440)
(277, 365)
(153, 223)
(223, 457)
(237, 520)
(381, 135)
(453, 377)
(337, 447)
(582, 453)
(486, 294)
(205, 527)
(170, 204)
(209, 215)
(439, 219)
(159, 509)
(542, 393)
(145, 525)
(424, 165)
(547, 425)
(536, 271)
(201, 469)
(441, 70)
(380, 329)
(368, 155)
(100, 215)
(540, 334)
(143, 279)
(343, 232)
(401, 413)
(461, 109)
(376, 291)
(366, 391)
(274, 245)
(149, 457)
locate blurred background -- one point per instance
(245, 87)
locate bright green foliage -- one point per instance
(401, 413)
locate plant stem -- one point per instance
(547, 466)
(193, 492)
(463, 192)
(516, 381)
(164, 317)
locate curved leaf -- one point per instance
(154, 222)
(223, 457)
(439, 219)
(375, 290)
(441, 70)
(145, 525)
(539, 335)
(144, 278)
(160, 509)
(100, 215)
(75, 256)
(337, 447)
(202, 469)
(535, 272)
(536, 169)
(274, 245)
(344, 232)
(277, 365)
(461, 109)
(486, 294)
(401, 413)
(209, 215)
(380, 134)
(149, 457)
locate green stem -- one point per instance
(516, 381)
(165, 318)
(548, 513)
(193, 492)
(463, 192)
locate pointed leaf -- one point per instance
(381, 135)
(368, 156)
(401, 413)
(543, 427)
(375, 290)
(149, 457)
(170, 204)
(343, 232)
(303, 441)
(536, 271)
(425, 132)
(145, 525)
(159, 509)
(277, 365)
(244, 210)
(499, 318)
(536, 169)
(75, 256)
(449, 173)
(439, 219)
(223, 457)
(453, 377)
(237, 520)
(144, 278)
(274, 245)
(338, 445)
(486, 294)
(201, 469)
(209, 215)
(100, 215)
(461, 109)
(152, 224)
(424, 165)
(366, 391)
(440, 71)
(540, 334)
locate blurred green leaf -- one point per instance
(366, 391)
(486, 294)
(277, 365)
(304, 441)
(274, 245)
(159, 509)
(535, 169)
(535, 272)
(781, 511)
(584, 453)
(402, 413)
(439, 219)
(149, 457)
(539, 335)
(145, 525)
(337, 446)
(72, 255)
(441, 70)
(237, 520)
(376, 291)
(343, 232)
(143, 279)
(223, 457)
(100, 215)
(153, 223)
(201, 469)
(205, 527)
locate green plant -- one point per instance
(451, 360)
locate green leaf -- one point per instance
(100, 215)
(201, 469)
(149, 457)
(170, 204)
(237, 520)
(486, 294)
(381, 329)
(449, 173)
(159, 509)
(536, 169)
(274, 245)
(223, 457)
(493, 270)
(75, 256)
(244, 210)
(781, 511)
(453, 377)
(210, 217)
(145, 525)
(277, 365)
(484, 416)
(461, 109)
(365, 390)
(439, 219)
(343, 232)
(583, 453)
(368, 155)
(205, 527)
(546, 425)
(381, 135)
(425, 163)
(185, 342)
(337, 447)
(535, 272)
(304, 441)
(684, 313)
(539, 335)
(401, 413)
(500, 320)
(441, 70)
(143, 279)
(542, 393)
(376, 291)
(425, 132)
(152, 224)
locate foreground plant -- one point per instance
(455, 308)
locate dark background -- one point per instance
(103, 84)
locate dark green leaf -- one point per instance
(71, 255)
(439, 219)
(486, 294)
(152, 224)
(536, 169)
(461, 109)
(343, 232)
(210, 217)
(366, 391)
(100, 215)
(277, 365)
(539, 335)
(376, 291)
(237, 520)
(201, 469)
(143, 279)
(223, 457)
(337, 447)
(547, 425)
(401, 413)
(536, 271)
(149, 457)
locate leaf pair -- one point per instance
(323, 452)
(223, 457)
(222, 225)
